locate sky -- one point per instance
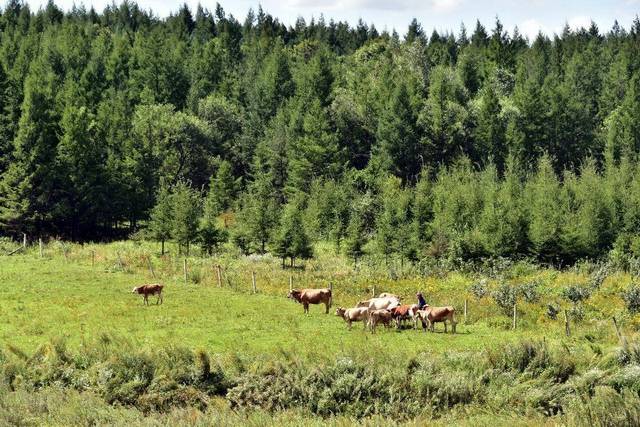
(530, 16)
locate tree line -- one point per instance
(479, 143)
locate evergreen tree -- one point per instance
(186, 213)
(291, 239)
(161, 219)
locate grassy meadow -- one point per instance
(75, 303)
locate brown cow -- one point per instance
(405, 312)
(351, 315)
(430, 315)
(151, 289)
(312, 296)
(379, 316)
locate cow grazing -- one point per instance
(405, 312)
(430, 315)
(151, 289)
(379, 316)
(311, 296)
(357, 314)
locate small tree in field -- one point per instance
(186, 213)
(161, 224)
(210, 236)
(292, 240)
(355, 239)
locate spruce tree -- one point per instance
(161, 222)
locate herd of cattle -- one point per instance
(384, 309)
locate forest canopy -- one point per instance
(200, 128)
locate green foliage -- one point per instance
(186, 212)
(631, 297)
(291, 240)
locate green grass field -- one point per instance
(86, 295)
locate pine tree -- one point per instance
(186, 213)
(546, 209)
(161, 219)
(27, 185)
(399, 148)
(291, 239)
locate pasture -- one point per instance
(80, 296)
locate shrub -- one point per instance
(529, 291)
(631, 298)
(505, 296)
(552, 311)
(576, 293)
(479, 289)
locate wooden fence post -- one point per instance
(290, 283)
(41, 247)
(219, 275)
(253, 281)
(566, 324)
(515, 315)
(184, 267)
(153, 274)
(24, 240)
(465, 310)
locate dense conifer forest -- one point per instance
(206, 128)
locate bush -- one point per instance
(576, 293)
(529, 291)
(479, 289)
(631, 298)
(505, 296)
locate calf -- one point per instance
(151, 289)
(379, 316)
(431, 315)
(357, 314)
(311, 296)
(405, 312)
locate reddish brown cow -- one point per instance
(404, 312)
(431, 315)
(151, 289)
(312, 296)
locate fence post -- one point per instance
(24, 240)
(219, 275)
(184, 267)
(566, 324)
(465, 310)
(290, 283)
(120, 261)
(515, 315)
(253, 281)
(153, 274)
(64, 251)
(41, 248)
